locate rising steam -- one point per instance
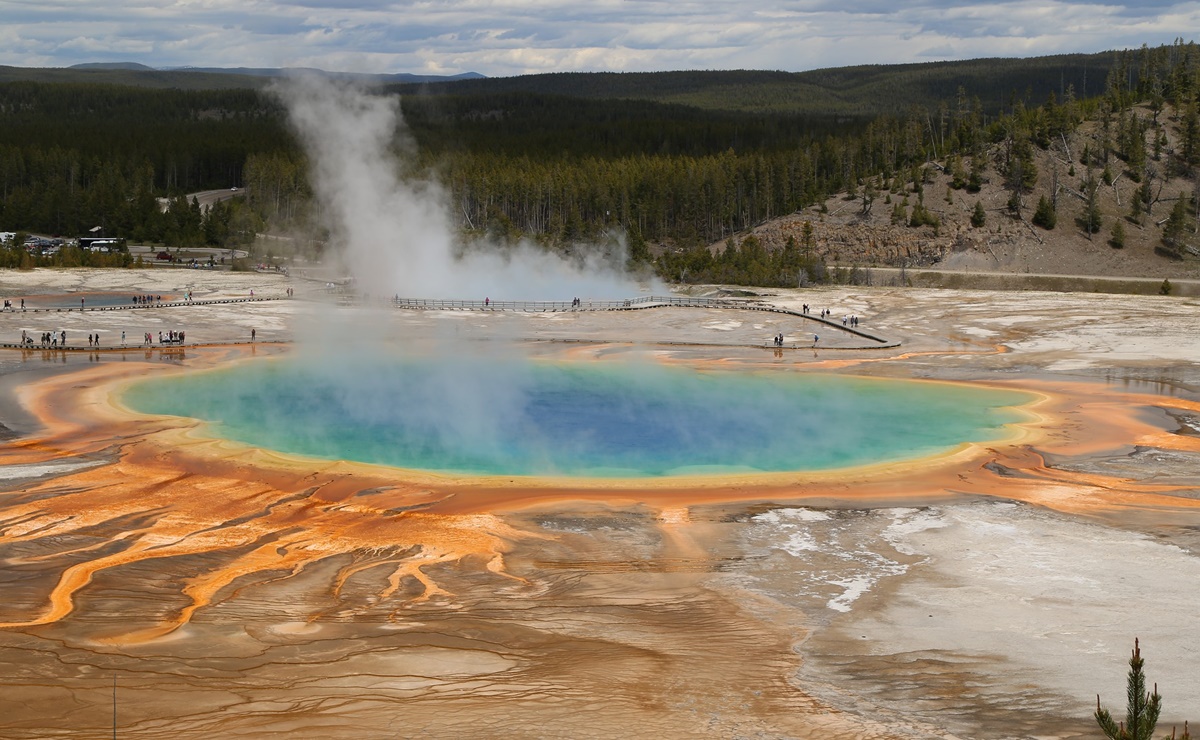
(395, 233)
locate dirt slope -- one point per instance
(846, 234)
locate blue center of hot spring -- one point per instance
(494, 417)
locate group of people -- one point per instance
(48, 339)
(145, 300)
(59, 338)
(779, 340)
(8, 305)
(847, 321)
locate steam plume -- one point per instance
(396, 233)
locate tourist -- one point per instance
(253, 334)
(816, 339)
(122, 337)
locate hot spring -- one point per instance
(483, 416)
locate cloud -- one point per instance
(509, 37)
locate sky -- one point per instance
(501, 38)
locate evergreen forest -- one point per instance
(677, 161)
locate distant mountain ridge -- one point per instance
(271, 72)
(834, 94)
(384, 79)
(856, 92)
(132, 74)
(113, 65)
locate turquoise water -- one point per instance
(513, 417)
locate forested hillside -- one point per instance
(840, 93)
(125, 77)
(678, 161)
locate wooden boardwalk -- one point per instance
(640, 303)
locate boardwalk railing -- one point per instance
(547, 306)
(140, 306)
(428, 304)
(630, 304)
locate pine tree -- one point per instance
(1190, 137)
(1135, 209)
(1176, 224)
(1045, 215)
(978, 216)
(1117, 241)
(1141, 708)
(1089, 220)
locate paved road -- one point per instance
(207, 197)
(995, 273)
(985, 279)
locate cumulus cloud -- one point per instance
(509, 37)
